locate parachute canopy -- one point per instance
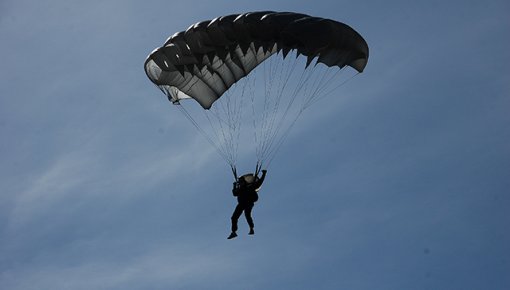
(210, 56)
(241, 71)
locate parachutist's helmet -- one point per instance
(249, 177)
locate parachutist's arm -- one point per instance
(263, 175)
(235, 189)
(260, 180)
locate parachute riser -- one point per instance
(234, 171)
(257, 168)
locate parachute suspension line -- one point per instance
(318, 85)
(269, 149)
(236, 120)
(259, 131)
(283, 80)
(333, 80)
(201, 131)
(272, 150)
(320, 81)
(276, 76)
(274, 127)
(335, 88)
(223, 141)
(254, 122)
(304, 79)
(272, 153)
(319, 95)
(269, 73)
(260, 114)
(230, 126)
(234, 106)
(271, 127)
(252, 98)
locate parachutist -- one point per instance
(245, 189)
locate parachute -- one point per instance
(219, 62)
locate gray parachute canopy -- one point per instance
(210, 56)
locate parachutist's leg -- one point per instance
(235, 216)
(247, 214)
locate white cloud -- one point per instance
(89, 170)
(167, 266)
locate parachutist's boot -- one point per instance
(252, 232)
(232, 235)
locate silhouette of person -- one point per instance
(245, 188)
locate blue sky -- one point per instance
(400, 182)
